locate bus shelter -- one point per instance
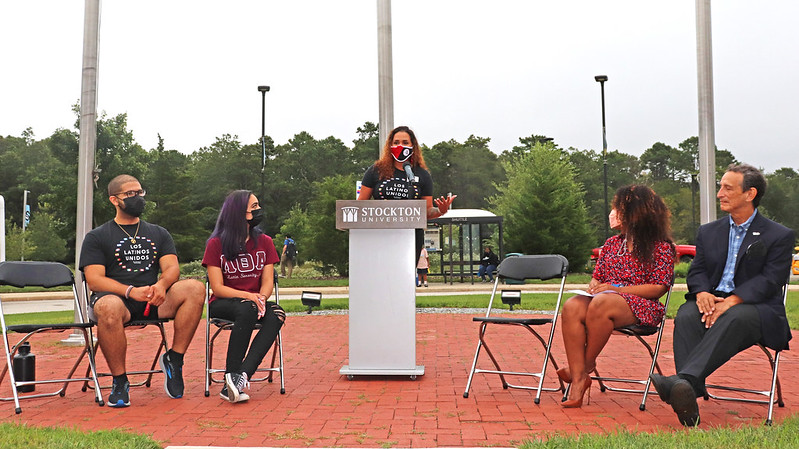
(461, 236)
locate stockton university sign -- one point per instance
(381, 214)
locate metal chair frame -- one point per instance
(47, 275)
(638, 332)
(775, 387)
(225, 325)
(521, 268)
(163, 347)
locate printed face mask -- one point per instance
(257, 217)
(401, 153)
(134, 206)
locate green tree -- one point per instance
(323, 241)
(41, 240)
(469, 170)
(543, 207)
(780, 200)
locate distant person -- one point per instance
(488, 264)
(121, 261)
(386, 179)
(422, 268)
(288, 257)
(240, 262)
(734, 291)
(635, 268)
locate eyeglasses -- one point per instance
(131, 193)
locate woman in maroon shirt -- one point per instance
(240, 262)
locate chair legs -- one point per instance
(774, 393)
(481, 343)
(163, 347)
(277, 356)
(91, 372)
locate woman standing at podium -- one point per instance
(387, 178)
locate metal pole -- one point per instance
(263, 90)
(88, 138)
(25, 218)
(707, 134)
(2, 229)
(385, 75)
(601, 79)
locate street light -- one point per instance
(601, 80)
(263, 90)
(26, 216)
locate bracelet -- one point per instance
(127, 292)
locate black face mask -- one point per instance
(257, 217)
(134, 206)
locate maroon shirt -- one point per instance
(243, 273)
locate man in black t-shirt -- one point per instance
(121, 261)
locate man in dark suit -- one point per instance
(734, 295)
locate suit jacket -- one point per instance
(761, 270)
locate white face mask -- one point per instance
(613, 219)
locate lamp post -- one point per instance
(263, 90)
(26, 216)
(601, 80)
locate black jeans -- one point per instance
(244, 315)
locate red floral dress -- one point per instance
(617, 266)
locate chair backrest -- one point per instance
(542, 267)
(36, 274)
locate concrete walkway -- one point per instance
(323, 409)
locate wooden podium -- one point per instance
(382, 302)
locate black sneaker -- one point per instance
(119, 396)
(235, 384)
(173, 377)
(224, 395)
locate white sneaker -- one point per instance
(236, 383)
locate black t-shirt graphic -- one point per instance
(397, 187)
(125, 261)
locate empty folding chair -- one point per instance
(521, 268)
(639, 332)
(162, 347)
(225, 325)
(47, 275)
(773, 358)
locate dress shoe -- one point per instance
(577, 403)
(683, 402)
(564, 375)
(663, 385)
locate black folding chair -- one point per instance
(135, 325)
(47, 275)
(773, 358)
(638, 332)
(225, 325)
(521, 268)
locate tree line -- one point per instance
(551, 198)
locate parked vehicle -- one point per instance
(685, 253)
(795, 264)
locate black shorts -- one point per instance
(136, 308)
(421, 271)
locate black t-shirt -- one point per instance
(397, 187)
(126, 262)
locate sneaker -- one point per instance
(224, 395)
(119, 396)
(173, 377)
(425, 284)
(235, 383)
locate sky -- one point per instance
(504, 69)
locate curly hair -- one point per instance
(645, 219)
(385, 165)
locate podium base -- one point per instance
(352, 372)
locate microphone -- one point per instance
(408, 172)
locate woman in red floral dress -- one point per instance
(635, 268)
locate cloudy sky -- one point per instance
(503, 69)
